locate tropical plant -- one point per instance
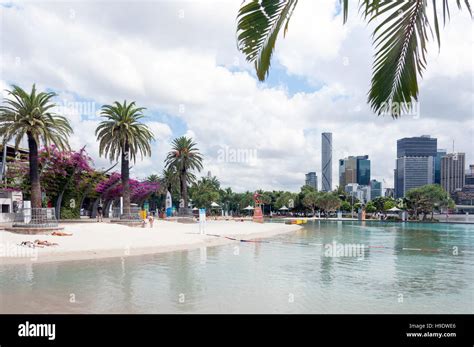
(122, 135)
(31, 115)
(184, 157)
(169, 179)
(204, 193)
(426, 199)
(328, 202)
(310, 201)
(399, 39)
(370, 207)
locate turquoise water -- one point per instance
(402, 268)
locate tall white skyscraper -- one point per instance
(326, 161)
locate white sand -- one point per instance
(104, 240)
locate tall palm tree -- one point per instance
(184, 157)
(399, 40)
(122, 135)
(30, 115)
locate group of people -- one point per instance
(43, 243)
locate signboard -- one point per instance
(168, 204)
(202, 221)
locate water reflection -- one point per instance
(415, 260)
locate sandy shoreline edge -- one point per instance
(107, 240)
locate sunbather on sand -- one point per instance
(60, 233)
(30, 244)
(45, 243)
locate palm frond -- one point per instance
(259, 23)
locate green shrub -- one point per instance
(68, 213)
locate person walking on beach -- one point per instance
(151, 219)
(99, 213)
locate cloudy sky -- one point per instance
(180, 61)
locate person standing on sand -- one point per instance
(151, 219)
(99, 213)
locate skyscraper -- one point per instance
(326, 161)
(375, 189)
(415, 164)
(312, 180)
(354, 170)
(439, 154)
(469, 177)
(363, 170)
(452, 172)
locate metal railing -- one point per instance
(35, 218)
(128, 214)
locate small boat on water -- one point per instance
(296, 221)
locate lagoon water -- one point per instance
(397, 268)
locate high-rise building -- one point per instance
(469, 177)
(375, 189)
(415, 164)
(363, 170)
(389, 192)
(452, 172)
(422, 146)
(347, 171)
(354, 170)
(360, 192)
(326, 162)
(439, 154)
(312, 180)
(465, 196)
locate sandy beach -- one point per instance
(105, 240)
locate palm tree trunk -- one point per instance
(125, 173)
(184, 188)
(34, 172)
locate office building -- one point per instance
(312, 180)
(375, 189)
(359, 192)
(415, 164)
(326, 162)
(439, 154)
(452, 172)
(354, 170)
(469, 177)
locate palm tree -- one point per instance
(184, 157)
(399, 40)
(122, 135)
(169, 179)
(31, 114)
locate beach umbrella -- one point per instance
(195, 209)
(283, 208)
(213, 204)
(249, 208)
(394, 209)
